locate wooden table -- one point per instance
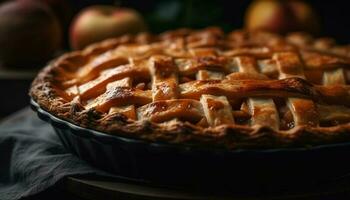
(91, 189)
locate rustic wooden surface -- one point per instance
(90, 189)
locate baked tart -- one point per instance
(237, 90)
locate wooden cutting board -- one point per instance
(90, 189)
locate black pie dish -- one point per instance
(202, 167)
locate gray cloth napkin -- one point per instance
(32, 158)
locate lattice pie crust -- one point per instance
(236, 90)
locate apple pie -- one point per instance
(203, 87)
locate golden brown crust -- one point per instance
(237, 71)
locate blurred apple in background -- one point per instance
(30, 33)
(99, 22)
(281, 16)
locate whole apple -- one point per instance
(29, 33)
(281, 16)
(99, 22)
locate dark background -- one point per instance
(162, 15)
(167, 14)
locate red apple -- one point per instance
(99, 22)
(30, 33)
(281, 16)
